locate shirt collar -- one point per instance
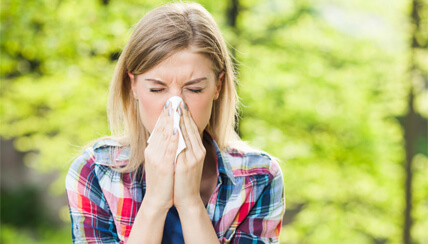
(107, 149)
(223, 164)
(122, 156)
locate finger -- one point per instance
(172, 144)
(163, 133)
(185, 135)
(190, 152)
(160, 127)
(160, 124)
(191, 128)
(195, 129)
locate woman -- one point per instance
(123, 189)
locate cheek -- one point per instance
(200, 110)
(150, 110)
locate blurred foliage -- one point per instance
(324, 86)
(11, 234)
(24, 219)
(24, 202)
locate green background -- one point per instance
(324, 85)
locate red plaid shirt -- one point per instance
(247, 205)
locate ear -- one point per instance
(220, 84)
(133, 83)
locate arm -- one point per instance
(91, 216)
(263, 223)
(91, 219)
(159, 167)
(196, 224)
(149, 223)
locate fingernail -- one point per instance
(179, 111)
(175, 131)
(170, 111)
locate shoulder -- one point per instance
(110, 152)
(246, 161)
(97, 159)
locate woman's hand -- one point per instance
(190, 162)
(159, 162)
(159, 158)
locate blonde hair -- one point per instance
(158, 35)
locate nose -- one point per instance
(177, 92)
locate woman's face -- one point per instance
(185, 74)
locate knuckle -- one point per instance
(171, 150)
(193, 164)
(174, 138)
(200, 159)
(165, 136)
(200, 156)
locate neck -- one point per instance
(210, 157)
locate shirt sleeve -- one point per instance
(91, 219)
(264, 221)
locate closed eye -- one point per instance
(156, 90)
(195, 91)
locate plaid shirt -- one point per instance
(247, 205)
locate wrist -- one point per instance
(191, 206)
(149, 223)
(152, 207)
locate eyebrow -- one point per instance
(186, 84)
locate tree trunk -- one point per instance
(410, 127)
(232, 16)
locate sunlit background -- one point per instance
(338, 90)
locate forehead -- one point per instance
(182, 66)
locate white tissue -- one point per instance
(175, 102)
